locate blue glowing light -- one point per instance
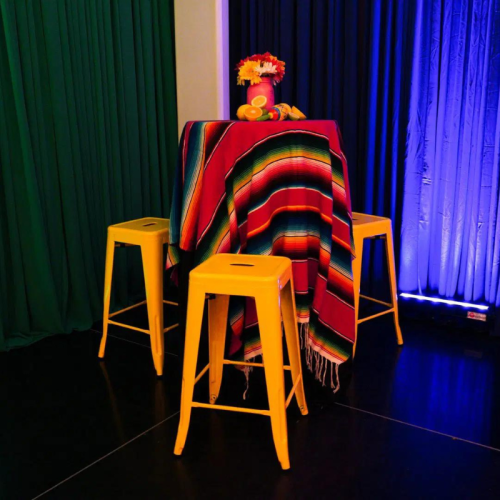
(436, 300)
(450, 233)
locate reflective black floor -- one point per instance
(422, 421)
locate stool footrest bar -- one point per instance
(247, 363)
(201, 373)
(194, 404)
(170, 302)
(375, 300)
(128, 326)
(170, 328)
(127, 308)
(292, 392)
(139, 304)
(376, 315)
(376, 237)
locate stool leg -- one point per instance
(292, 342)
(217, 324)
(268, 313)
(389, 248)
(357, 264)
(108, 277)
(196, 304)
(152, 261)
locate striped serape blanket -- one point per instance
(273, 188)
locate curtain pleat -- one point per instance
(349, 61)
(415, 89)
(449, 231)
(88, 137)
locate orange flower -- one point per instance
(247, 72)
(252, 68)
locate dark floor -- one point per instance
(418, 422)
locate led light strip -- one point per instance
(443, 301)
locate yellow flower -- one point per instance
(247, 72)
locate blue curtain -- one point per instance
(415, 89)
(450, 237)
(348, 60)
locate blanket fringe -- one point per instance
(303, 328)
(246, 371)
(317, 364)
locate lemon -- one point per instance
(293, 117)
(296, 111)
(241, 111)
(260, 101)
(252, 113)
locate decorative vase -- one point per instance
(265, 88)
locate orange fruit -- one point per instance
(241, 111)
(260, 101)
(252, 113)
(299, 113)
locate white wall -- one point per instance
(202, 58)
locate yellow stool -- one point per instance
(150, 234)
(369, 227)
(269, 281)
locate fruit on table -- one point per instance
(299, 113)
(241, 111)
(286, 106)
(274, 113)
(283, 112)
(260, 101)
(258, 112)
(252, 113)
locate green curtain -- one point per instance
(88, 138)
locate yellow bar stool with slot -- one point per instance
(150, 234)
(269, 281)
(370, 227)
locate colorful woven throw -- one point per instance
(273, 188)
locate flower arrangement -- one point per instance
(255, 67)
